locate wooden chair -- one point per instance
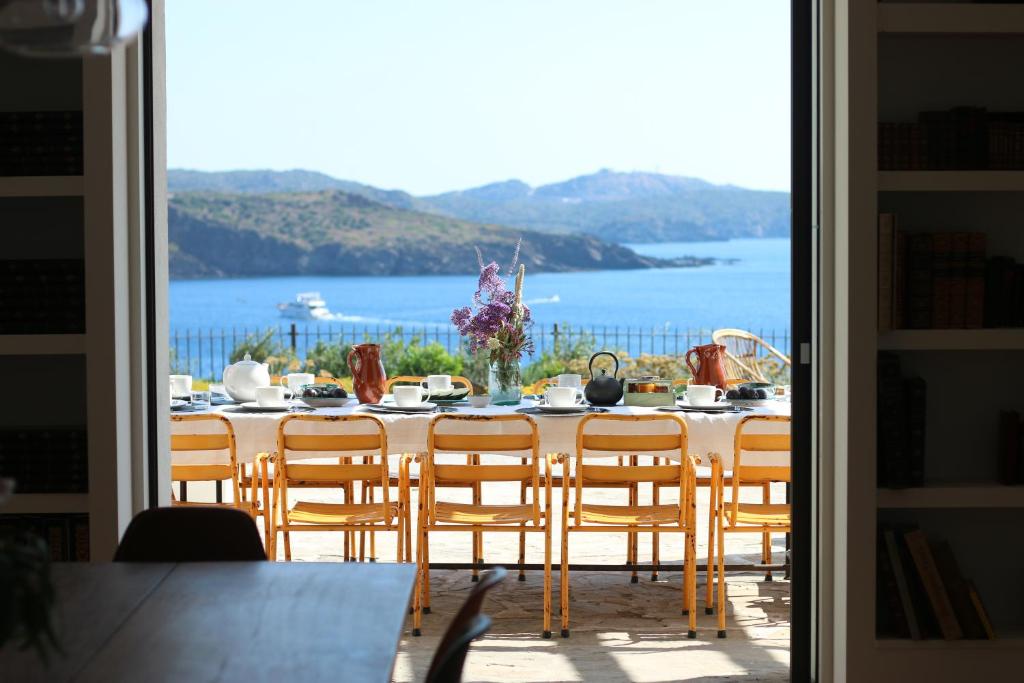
(733, 516)
(204, 440)
(276, 379)
(540, 385)
(196, 534)
(745, 352)
(447, 664)
(367, 439)
(410, 379)
(477, 517)
(633, 517)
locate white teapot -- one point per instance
(241, 379)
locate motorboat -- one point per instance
(307, 306)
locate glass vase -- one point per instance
(504, 383)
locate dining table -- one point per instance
(707, 432)
(221, 621)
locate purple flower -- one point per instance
(494, 316)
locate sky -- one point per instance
(429, 96)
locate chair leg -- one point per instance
(690, 581)
(478, 537)
(655, 538)
(522, 534)
(287, 547)
(709, 604)
(417, 593)
(547, 575)
(634, 538)
(408, 526)
(766, 538)
(721, 577)
(362, 534)
(563, 603)
(425, 543)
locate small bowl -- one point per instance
(480, 401)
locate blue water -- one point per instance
(752, 293)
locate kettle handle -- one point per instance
(693, 370)
(590, 365)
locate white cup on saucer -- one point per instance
(295, 380)
(702, 394)
(181, 386)
(270, 397)
(408, 396)
(570, 380)
(437, 384)
(563, 397)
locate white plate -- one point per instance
(178, 404)
(721, 405)
(254, 407)
(325, 402)
(562, 410)
(752, 403)
(424, 407)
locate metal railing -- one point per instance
(205, 352)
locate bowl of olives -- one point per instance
(323, 395)
(755, 393)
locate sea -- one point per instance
(747, 287)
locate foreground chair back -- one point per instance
(448, 663)
(662, 436)
(734, 516)
(441, 665)
(449, 439)
(746, 354)
(347, 437)
(191, 534)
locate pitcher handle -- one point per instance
(693, 370)
(351, 365)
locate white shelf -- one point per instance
(952, 340)
(950, 19)
(42, 186)
(42, 503)
(41, 344)
(951, 181)
(955, 496)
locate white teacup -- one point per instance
(563, 397)
(438, 383)
(270, 397)
(574, 381)
(702, 394)
(295, 380)
(408, 396)
(181, 386)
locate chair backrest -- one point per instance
(345, 436)
(745, 353)
(747, 442)
(412, 379)
(191, 534)
(219, 437)
(447, 664)
(470, 439)
(469, 610)
(666, 437)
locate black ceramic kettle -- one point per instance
(603, 390)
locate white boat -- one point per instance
(307, 306)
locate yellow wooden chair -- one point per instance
(733, 516)
(320, 379)
(222, 439)
(411, 379)
(632, 518)
(745, 354)
(477, 517)
(368, 439)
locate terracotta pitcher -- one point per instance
(367, 372)
(711, 368)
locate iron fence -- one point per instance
(205, 352)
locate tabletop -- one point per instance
(226, 621)
(257, 432)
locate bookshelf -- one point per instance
(951, 181)
(950, 18)
(953, 496)
(952, 340)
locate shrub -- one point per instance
(329, 359)
(264, 348)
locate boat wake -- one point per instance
(543, 300)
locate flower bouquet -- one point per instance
(498, 323)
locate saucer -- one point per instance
(254, 407)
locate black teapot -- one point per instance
(603, 390)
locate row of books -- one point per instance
(41, 143)
(1010, 470)
(42, 296)
(944, 280)
(958, 139)
(902, 403)
(66, 535)
(921, 593)
(45, 459)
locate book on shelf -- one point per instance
(901, 425)
(961, 138)
(886, 247)
(979, 608)
(902, 584)
(957, 590)
(41, 143)
(45, 459)
(938, 598)
(1010, 467)
(65, 535)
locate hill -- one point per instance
(616, 207)
(340, 233)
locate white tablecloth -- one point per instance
(707, 432)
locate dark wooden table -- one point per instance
(244, 621)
